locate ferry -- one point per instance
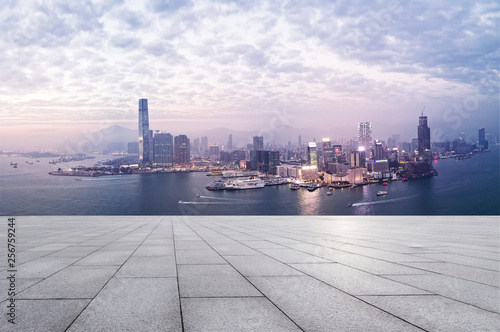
(382, 193)
(329, 193)
(245, 184)
(295, 186)
(312, 187)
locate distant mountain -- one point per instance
(100, 140)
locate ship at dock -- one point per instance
(240, 184)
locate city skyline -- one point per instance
(247, 66)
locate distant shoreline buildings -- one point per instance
(355, 161)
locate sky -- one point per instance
(74, 66)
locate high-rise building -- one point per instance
(230, 142)
(144, 134)
(328, 153)
(204, 145)
(365, 135)
(358, 158)
(133, 148)
(182, 147)
(163, 147)
(378, 150)
(483, 142)
(214, 151)
(312, 154)
(258, 143)
(424, 139)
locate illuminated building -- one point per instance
(312, 154)
(182, 148)
(424, 139)
(365, 136)
(144, 144)
(163, 147)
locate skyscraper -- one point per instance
(482, 139)
(328, 153)
(182, 148)
(365, 136)
(424, 139)
(258, 143)
(230, 142)
(312, 154)
(163, 149)
(144, 144)
(378, 150)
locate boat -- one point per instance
(78, 179)
(15, 166)
(343, 184)
(312, 187)
(329, 193)
(349, 204)
(181, 201)
(295, 186)
(216, 185)
(404, 179)
(382, 193)
(245, 184)
(385, 184)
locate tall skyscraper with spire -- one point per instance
(144, 135)
(424, 139)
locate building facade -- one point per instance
(365, 136)
(182, 155)
(163, 147)
(424, 139)
(144, 134)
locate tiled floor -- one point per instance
(153, 273)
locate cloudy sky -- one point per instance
(72, 66)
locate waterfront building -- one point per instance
(312, 154)
(482, 141)
(163, 147)
(258, 143)
(182, 155)
(378, 166)
(144, 135)
(424, 139)
(365, 136)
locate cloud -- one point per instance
(92, 60)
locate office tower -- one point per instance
(328, 153)
(483, 142)
(163, 149)
(196, 145)
(144, 145)
(365, 136)
(230, 142)
(358, 158)
(424, 139)
(300, 141)
(273, 161)
(378, 149)
(258, 143)
(204, 145)
(182, 150)
(312, 154)
(151, 149)
(214, 151)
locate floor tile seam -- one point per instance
(225, 297)
(441, 274)
(321, 281)
(106, 283)
(473, 257)
(177, 277)
(450, 298)
(274, 304)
